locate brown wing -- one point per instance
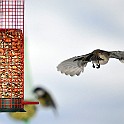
(118, 55)
(74, 66)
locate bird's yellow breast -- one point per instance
(43, 102)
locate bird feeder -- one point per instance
(12, 56)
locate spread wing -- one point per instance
(118, 55)
(73, 66)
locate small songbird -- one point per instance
(75, 65)
(44, 98)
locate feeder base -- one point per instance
(12, 110)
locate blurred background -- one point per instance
(59, 29)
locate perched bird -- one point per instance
(44, 98)
(75, 65)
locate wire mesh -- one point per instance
(11, 55)
(12, 14)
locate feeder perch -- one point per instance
(12, 56)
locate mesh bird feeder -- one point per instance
(12, 56)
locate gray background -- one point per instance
(60, 29)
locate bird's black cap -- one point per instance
(37, 88)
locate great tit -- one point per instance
(44, 98)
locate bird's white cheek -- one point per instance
(40, 93)
(102, 62)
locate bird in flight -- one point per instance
(75, 65)
(45, 98)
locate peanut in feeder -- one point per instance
(12, 56)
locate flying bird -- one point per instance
(75, 65)
(44, 98)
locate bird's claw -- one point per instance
(97, 66)
(93, 66)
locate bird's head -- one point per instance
(39, 92)
(101, 56)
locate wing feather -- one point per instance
(72, 66)
(118, 55)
